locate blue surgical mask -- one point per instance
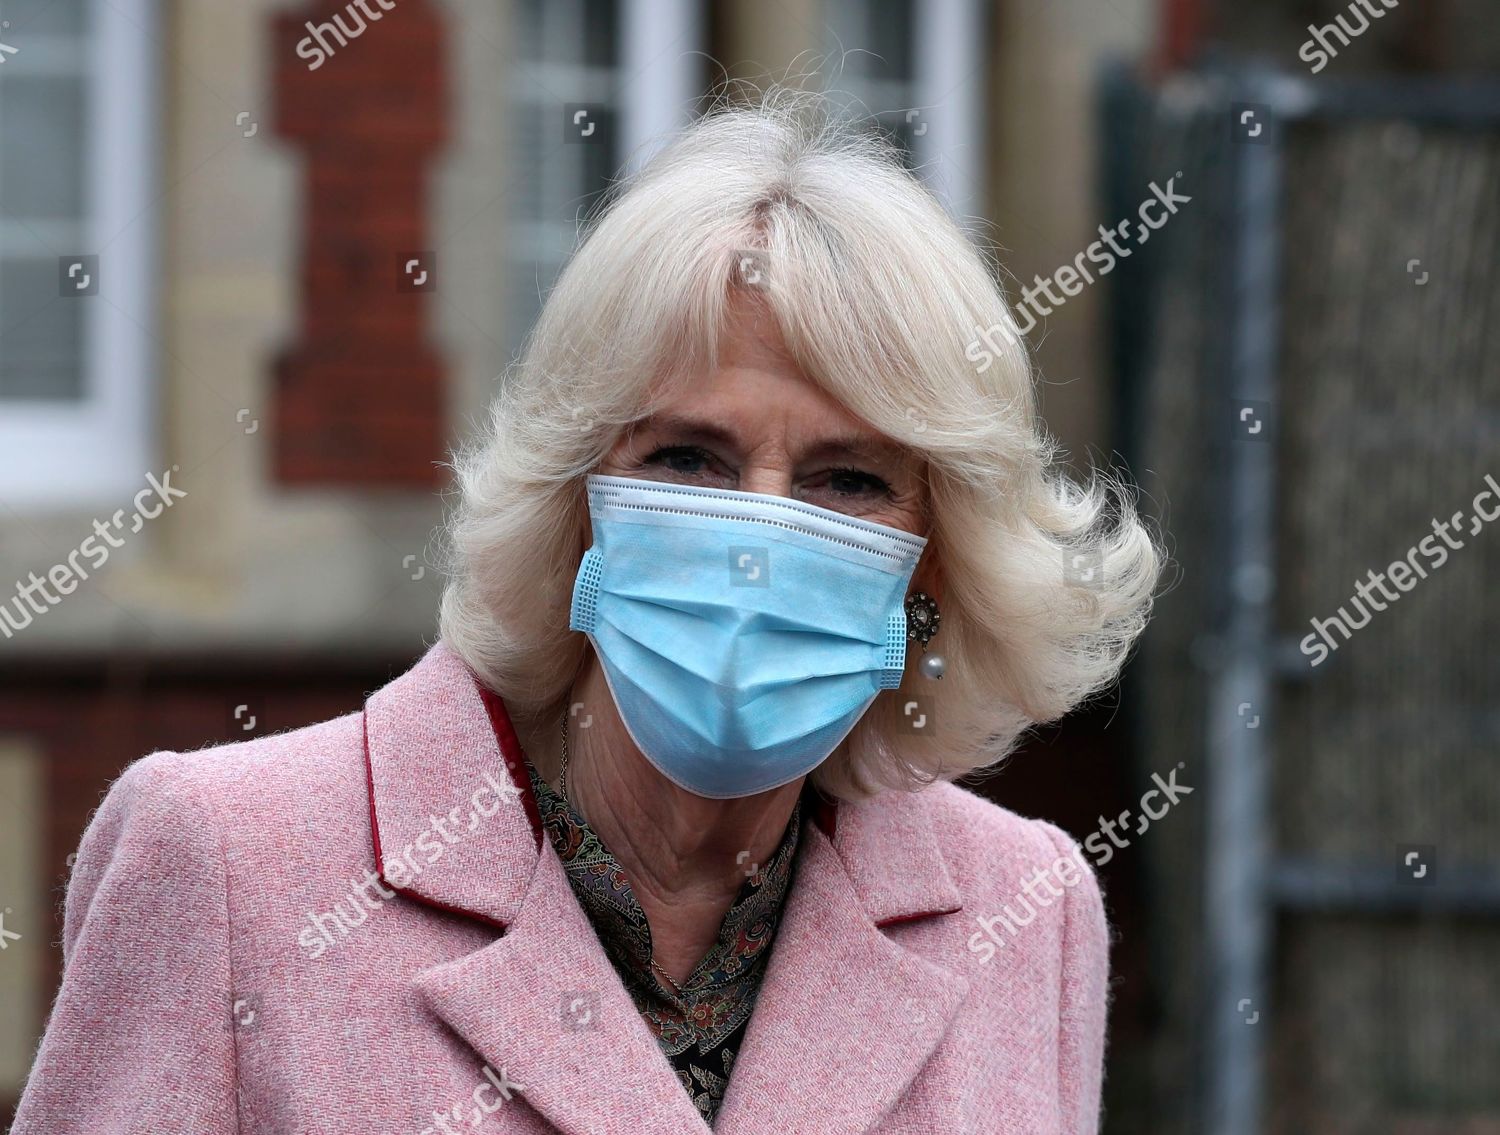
(742, 634)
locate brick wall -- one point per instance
(359, 392)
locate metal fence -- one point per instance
(1311, 353)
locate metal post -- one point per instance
(1240, 711)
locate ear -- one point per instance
(928, 577)
(929, 574)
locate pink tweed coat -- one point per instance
(358, 927)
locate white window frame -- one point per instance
(949, 52)
(62, 454)
(652, 88)
(661, 46)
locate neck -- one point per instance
(686, 856)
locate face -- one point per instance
(759, 424)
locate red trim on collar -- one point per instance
(380, 855)
(512, 754)
(825, 812)
(899, 919)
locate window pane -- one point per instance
(598, 163)
(901, 131)
(529, 284)
(568, 31)
(600, 32)
(526, 26)
(41, 335)
(890, 40)
(41, 167)
(47, 17)
(532, 138)
(570, 66)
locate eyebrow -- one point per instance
(865, 445)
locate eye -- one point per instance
(681, 458)
(850, 481)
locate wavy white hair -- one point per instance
(878, 294)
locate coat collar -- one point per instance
(429, 749)
(542, 1001)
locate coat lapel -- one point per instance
(435, 766)
(544, 1004)
(847, 1016)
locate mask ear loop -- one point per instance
(893, 664)
(583, 612)
(922, 621)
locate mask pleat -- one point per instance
(738, 653)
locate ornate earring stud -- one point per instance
(922, 619)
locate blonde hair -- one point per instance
(878, 295)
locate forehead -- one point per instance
(755, 390)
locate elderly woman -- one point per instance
(661, 835)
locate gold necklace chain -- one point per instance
(677, 989)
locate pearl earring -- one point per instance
(922, 619)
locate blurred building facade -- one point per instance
(312, 242)
(279, 255)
